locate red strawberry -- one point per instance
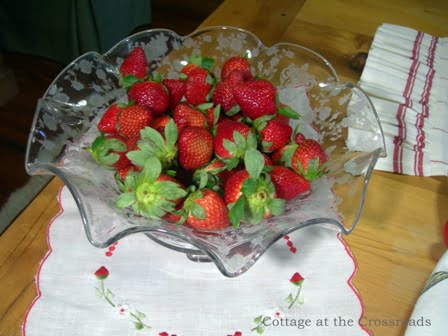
(197, 86)
(135, 64)
(108, 122)
(236, 77)
(184, 115)
(110, 151)
(274, 134)
(267, 160)
(207, 211)
(256, 98)
(287, 183)
(132, 119)
(123, 172)
(195, 147)
(309, 159)
(225, 131)
(223, 95)
(299, 138)
(236, 63)
(160, 123)
(151, 95)
(282, 118)
(250, 195)
(210, 115)
(176, 90)
(188, 68)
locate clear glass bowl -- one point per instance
(338, 114)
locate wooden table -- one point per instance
(399, 237)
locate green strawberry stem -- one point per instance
(296, 297)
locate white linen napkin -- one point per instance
(142, 288)
(432, 305)
(406, 77)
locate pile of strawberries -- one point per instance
(203, 152)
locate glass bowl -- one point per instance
(339, 115)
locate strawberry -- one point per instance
(274, 133)
(256, 98)
(184, 115)
(195, 147)
(108, 122)
(206, 211)
(123, 172)
(250, 194)
(287, 183)
(299, 138)
(135, 64)
(213, 115)
(132, 119)
(267, 160)
(308, 159)
(151, 95)
(110, 151)
(232, 139)
(198, 86)
(160, 123)
(188, 68)
(150, 193)
(153, 144)
(223, 95)
(236, 63)
(176, 91)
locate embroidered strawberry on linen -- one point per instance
(101, 291)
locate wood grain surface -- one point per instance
(399, 237)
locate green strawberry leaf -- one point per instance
(203, 179)
(237, 211)
(171, 133)
(182, 76)
(230, 146)
(126, 199)
(158, 78)
(153, 136)
(195, 59)
(129, 80)
(288, 112)
(232, 163)
(249, 187)
(276, 206)
(254, 163)
(287, 155)
(197, 211)
(261, 122)
(251, 140)
(240, 140)
(170, 190)
(207, 63)
(216, 115)
(257, 213)
(204, 106)
(138, 157)
(233, 110)
(266, 144)
(152, 169)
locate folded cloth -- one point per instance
(406, 77)
(431, 309)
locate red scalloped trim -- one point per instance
(50, 250)
(349, 282)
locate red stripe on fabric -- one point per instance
(416, 48)
(432, 51)
(427, 88)
(410, 83)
